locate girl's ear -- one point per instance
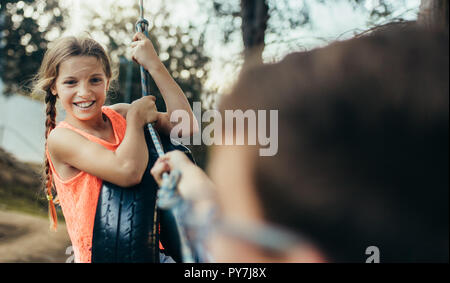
(53, 90)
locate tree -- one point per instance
(254, 15)
(434, 14)
(26, 28)
(259, 18)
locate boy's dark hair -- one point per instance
(363, 145)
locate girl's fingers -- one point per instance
(139, 36)
(135, 44)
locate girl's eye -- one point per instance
(70, 82)
(96, 80)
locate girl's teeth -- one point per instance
(84, 104)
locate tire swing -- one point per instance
(128, 223)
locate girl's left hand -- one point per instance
(143, 52)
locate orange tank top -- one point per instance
(78, 196)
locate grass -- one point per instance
(24, 199)
(20, 187)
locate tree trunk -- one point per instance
(434, 14)
(255, 14)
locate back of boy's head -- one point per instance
(363, 145)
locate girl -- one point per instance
(95, 142)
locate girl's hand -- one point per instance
(194, 183)
(144, 110)
(143, 52)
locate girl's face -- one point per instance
(81, 86)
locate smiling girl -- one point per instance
(96, 142)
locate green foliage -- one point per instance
(20, 186)
(26, 27)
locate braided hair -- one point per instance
(50, 111)
(59, 51)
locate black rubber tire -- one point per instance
(124, 229)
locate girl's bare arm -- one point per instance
(124, 167)
(162, 122)
(174, 98)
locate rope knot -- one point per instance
(142, 25)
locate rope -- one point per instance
(168, 197)
(142, 26)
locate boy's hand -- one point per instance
(168, 162)
(194, 183)
(143, 52)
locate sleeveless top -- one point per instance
(78, 196)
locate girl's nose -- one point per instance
(84, 91)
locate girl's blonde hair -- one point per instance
(61, 50)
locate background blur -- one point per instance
(203, 43)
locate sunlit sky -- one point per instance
(331, 21)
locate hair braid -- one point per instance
(50, 124)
